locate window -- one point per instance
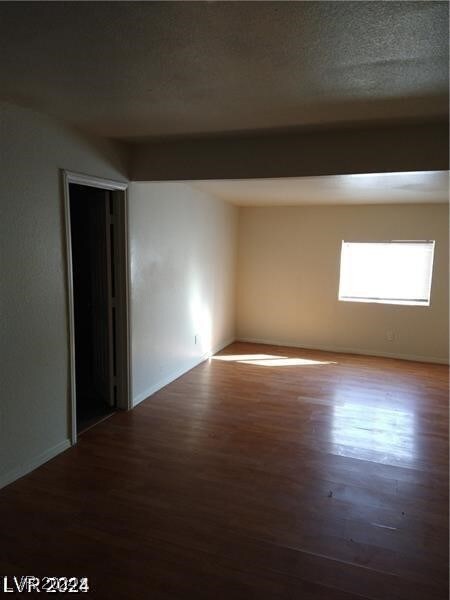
(396, 272)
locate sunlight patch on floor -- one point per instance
(271, 360)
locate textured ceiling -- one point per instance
(141, 69)
(375, 188)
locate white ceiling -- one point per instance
(131, 70)
(375, 188)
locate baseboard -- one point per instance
(178, 373)
(346, 350)
(39, 460)
(221, 346)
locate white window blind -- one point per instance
(395, 272)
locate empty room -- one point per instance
(224, 300)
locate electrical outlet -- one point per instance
(390, 335)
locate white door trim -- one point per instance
(98, 182)
(106, 184)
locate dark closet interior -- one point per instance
(93, 281)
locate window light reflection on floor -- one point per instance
(373, 433)
(271, 360)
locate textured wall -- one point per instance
(288, 279)
(183, 251)
(33, 335)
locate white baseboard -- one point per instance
(36, 462)
(178, 373)
(345, 350)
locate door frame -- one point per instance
(123, 348)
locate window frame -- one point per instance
(381, 300)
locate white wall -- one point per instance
(288, 278)
(183, 253)
(34, 398)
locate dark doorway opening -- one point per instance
(94, 283)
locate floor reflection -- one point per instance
(373, 433)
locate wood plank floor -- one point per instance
(265, 472)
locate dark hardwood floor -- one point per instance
(251, 478)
